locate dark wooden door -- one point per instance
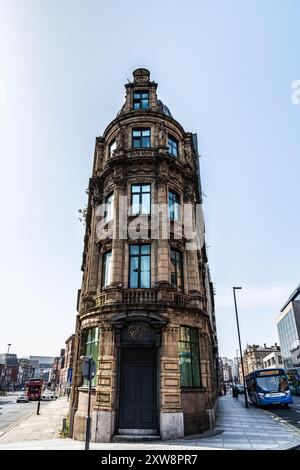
(138, 389)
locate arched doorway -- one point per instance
(138, 337)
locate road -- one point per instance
(290, 415)
(10, 411)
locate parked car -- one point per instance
(48, 395)
(240, 388)
(22, 398)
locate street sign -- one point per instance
(70, 373)
(85, 368)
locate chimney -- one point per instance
(265, 346)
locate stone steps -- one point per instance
(135, 437)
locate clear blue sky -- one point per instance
(225, 69)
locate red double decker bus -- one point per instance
(34, 389)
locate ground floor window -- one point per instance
(189, 357)
(91, 349)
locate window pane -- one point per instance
(135, 204)
(146, 204)
(146, 188)
(145, 142)
(185, 333)
(136, 133)
(145, 272)
(173, 279)
(194, 336)
(145, 249)
(112, 147)
(135, 188)
(106, 269)
(109, 204)
(185, 365)
(133, 281)
(145, 132)
(136, 143)
(134, 249)
(195, 365)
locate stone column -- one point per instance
(171, 414)
(162, 245)
(103, 416)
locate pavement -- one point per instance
(237, 428)
(34, 428)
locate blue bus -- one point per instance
(268, 387)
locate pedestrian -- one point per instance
(224, 388)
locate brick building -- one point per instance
(66, 374)
(146, 306)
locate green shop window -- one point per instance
(189, 358)
(91, 349)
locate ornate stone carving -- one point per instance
(120, 137)
(162, 134)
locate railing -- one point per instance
(100, 299)
(140, 296)
(144, 296)
(181, 300)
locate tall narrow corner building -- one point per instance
(145, 310)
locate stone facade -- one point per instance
(144, 320)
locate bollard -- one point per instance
(38, 407)
(64, 425)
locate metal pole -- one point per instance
(88, 418)
(238, 328)
(38, 407)
(237, 365)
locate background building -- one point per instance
(66, 374)
(253, 357)
(288, 325)
(26, 370)
(56, 369)
(8, 371)
(146, 307)
(227, 369)
(274, 359)
(42, 366)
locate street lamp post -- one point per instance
(241, 355)
(88, 371)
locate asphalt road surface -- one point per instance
(290, 415)
(10, 411)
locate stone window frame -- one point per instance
(137, 243)
(140, 92)
(84, 337)
(181, 252)
(170, 189)
(140, 180)
(137, 183)
(102, 268)
(112, 207)
(193, 386)
(153, 264)
(142, 127)
(110, 144)
(110, 140)
(176, 141)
